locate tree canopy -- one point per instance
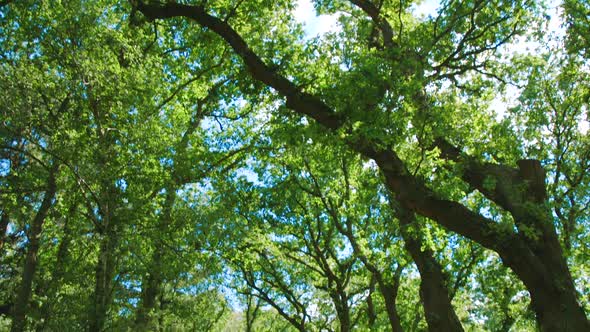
(209, 165)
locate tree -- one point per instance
(455, 45)
(79, 137)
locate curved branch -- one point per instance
(305, 103)
(413, 194)
(375, 13)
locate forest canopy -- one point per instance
(211, 165)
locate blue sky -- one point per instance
(318, 25)
(315, 25)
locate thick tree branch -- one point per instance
(521, 191)
(510, 188)
(411, 193)
(305, 103)
(370, 9)
(415, 196)
(434, 292)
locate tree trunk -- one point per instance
(533, 253)
(389, 293)
(252, 309)
(4, 220)
(151, 288)
(553, 294)
(58, 272)
(343, 312)
(371, 314)
(434, 292)
(105, 268)
(107, 226)
(152, 284)
(21, 304)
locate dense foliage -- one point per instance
(210, 166)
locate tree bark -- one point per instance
(106, 218)
(389, 292)
(4, 220)
(147, 315)
(252, 309)
(104, 273)
(152, 284)
(105, 266)
(342, 311)
(434, 292)
(59, 269)
(146, 319)
(371, 314)
(21, 304)
(537, 258)
(553, 294)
